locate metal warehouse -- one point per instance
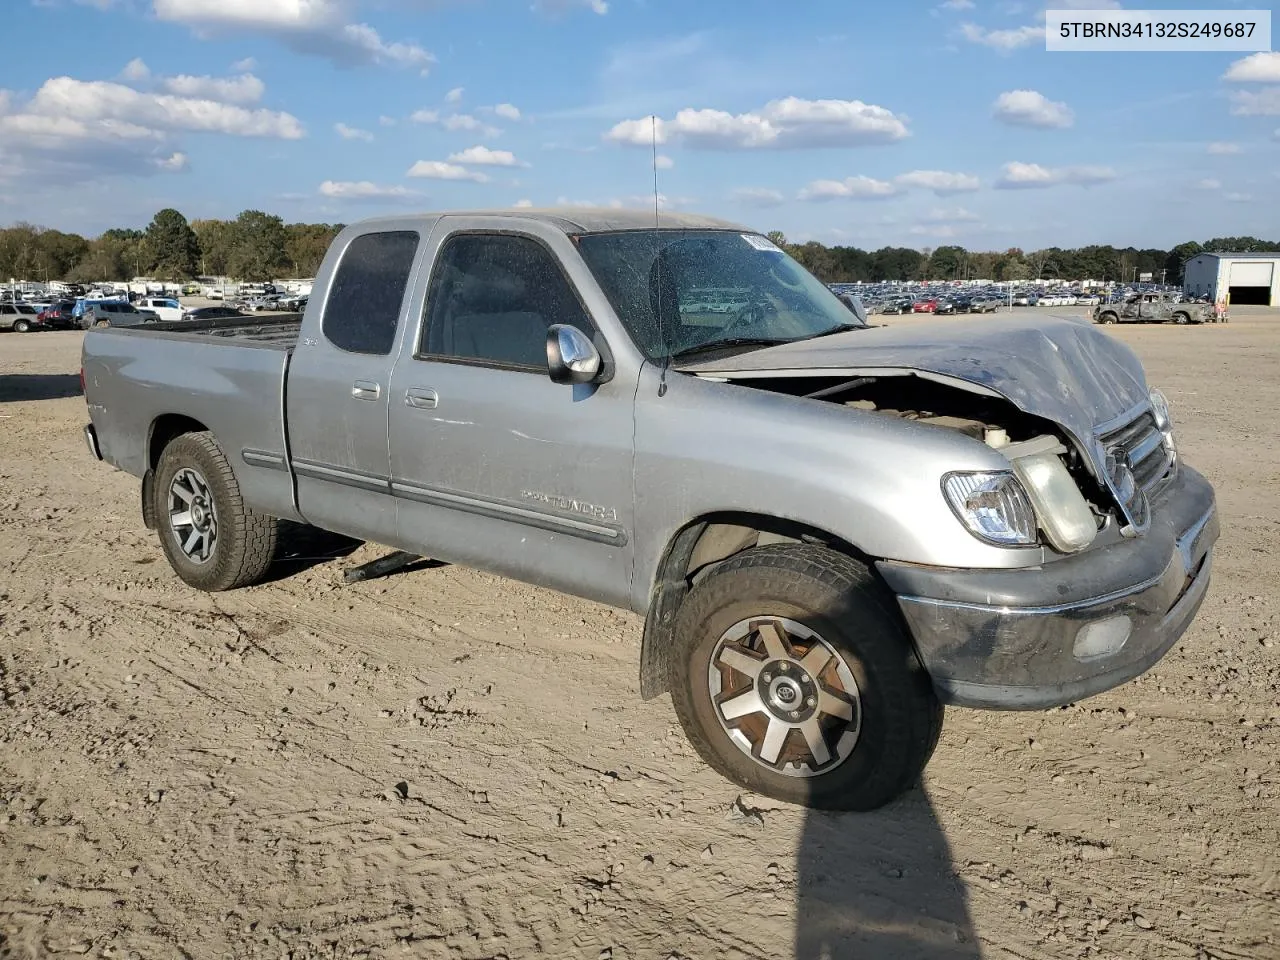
(1247, 278)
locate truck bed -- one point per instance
(280, 330)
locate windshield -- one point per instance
(679, 290)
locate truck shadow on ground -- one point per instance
(302, 547)
(38, 386)
(880, 886)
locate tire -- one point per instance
(103, 323)
(831, 606)
(230, 545)
(1181, 317)
(21, 326)
(1107, 318)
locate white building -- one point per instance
(1247, 277)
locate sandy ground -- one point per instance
(446, 764)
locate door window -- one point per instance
(362, 311)
(492, 298)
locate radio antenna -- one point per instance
(657, 260)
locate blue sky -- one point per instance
(858, 123)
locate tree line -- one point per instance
(848, 264)
(261, 246)
(254, 246)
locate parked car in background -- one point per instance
(165, 308)
(59, 315)
(1153, 308)
(944, 305)
(211, 313)
(114, 313)
(924, 306)
(19, 317)
(897, 305)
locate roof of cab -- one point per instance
(574, 220)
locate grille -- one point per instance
(1142, 446)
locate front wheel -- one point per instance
(210, 538)
(1107, 318)
(793, 677)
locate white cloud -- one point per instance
(952, 215)
(454, 122)
(663, 162)
(1208, 183)
(1222, 148)
(522, 204)
(956, 5)
(1237, 197)
(1029, 108)
(247, 65)
(352, 133)
(386, 121)
(245, 88)
(439, 170)
(454, 95)
(173, 163)
(135, 71)
(507, 111)
(1015, 176)
(850, 188)
(1255, 68)
(483, 156)
(361, 190)
(942, 231)
(758, 196)
(1259, 103)
(100, 100)
(557, 7)
(315, 27)
(1003, 40)
(790, 122)
(939, 181)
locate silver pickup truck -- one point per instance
(831, 529)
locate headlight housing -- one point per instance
(993, 507)
(1164, 421)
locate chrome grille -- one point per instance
(1143, 448)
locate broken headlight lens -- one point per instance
(993, 506)
(1160, 410)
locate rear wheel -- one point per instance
(210, 538)
(1107, 317)
(21, 326)
(1181, 317)
(793, 677)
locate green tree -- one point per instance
(947, 262)
(173, 246)
(306, 244)
(778, 237)
(217, 240)
(258, 249)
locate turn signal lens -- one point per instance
(993, 506)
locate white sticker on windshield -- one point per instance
(761, 243)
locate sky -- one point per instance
(866, 124)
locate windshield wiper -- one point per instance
(730, 343)
(838, 328)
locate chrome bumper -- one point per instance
(1006, 640)
(91, 441)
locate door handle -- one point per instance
(421, 397)
(366, 390)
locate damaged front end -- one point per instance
(1093, 477)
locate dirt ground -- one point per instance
(446, 764)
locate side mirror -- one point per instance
(571, 356)
(855, 306)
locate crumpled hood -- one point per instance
(1061, 368)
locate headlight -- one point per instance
(993, 506)
(1064, 515)
(1160, 407)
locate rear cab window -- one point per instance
(362, 311)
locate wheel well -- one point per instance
(697, 549)
(164, 430)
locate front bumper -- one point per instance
(1003, 639)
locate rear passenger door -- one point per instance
(338, 385)
(494, 464)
